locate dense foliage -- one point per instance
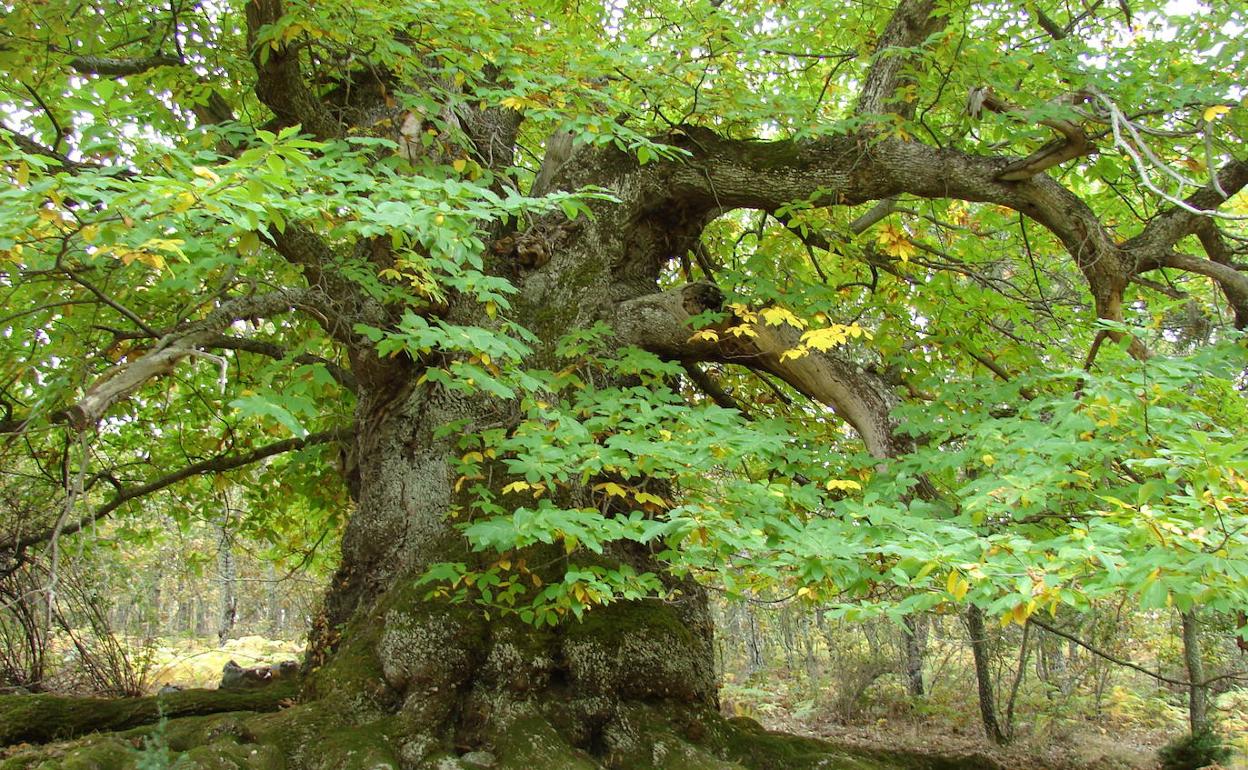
(1055, 441)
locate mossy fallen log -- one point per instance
(45, 718)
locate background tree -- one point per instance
(290, 242)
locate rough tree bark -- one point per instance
(1198, 689)
(983, 674)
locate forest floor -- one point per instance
(1087, 747)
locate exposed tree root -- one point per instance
(43, 718)
(518, 736)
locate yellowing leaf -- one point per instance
(611, 488)
(776, 316)
(705, 335)
(1215, 112)
(794, 354)
(988, 460)
(459, 164)
(826, 338)
(896, 243)
(845, 484)
(204, 172)
(957, 586)
(516, 486)
(472, 457)
(646, 497)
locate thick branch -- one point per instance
(115, 67)
(911, 23)
(660, 323)
(1234, 283)
(123, 379)
(1168, 228)
(1074, 141)
(279, 83)
(218, 464)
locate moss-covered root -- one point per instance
(641, 736)
(562, 735)
(44, 718)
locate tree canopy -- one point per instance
(899, 305)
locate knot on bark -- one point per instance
(700, 297)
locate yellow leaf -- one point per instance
(841, 484)
(1215, 112)
(742, 331)
(611, 488)
(777, 316)
(23, 174)
(459, 164)
(795, 353)
(151, 259)
(204, 172)
(896, 243)
(988, 460)
(516, 486)
(827, 338)
(472, 457)
(182, 202)
(646, 497)
(705, 335)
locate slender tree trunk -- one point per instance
(273, 605)
(983, 674)
(754, 643)
(1198, 691)
(1019, 674)
(228, 578)
(914, 642)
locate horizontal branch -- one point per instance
(218, 464)
(123, 379)
(340, 374)
(1117, 660)
(1223, 274)
(660, 323)
(120, 67)
(1072, 144)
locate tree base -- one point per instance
(526, 736)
